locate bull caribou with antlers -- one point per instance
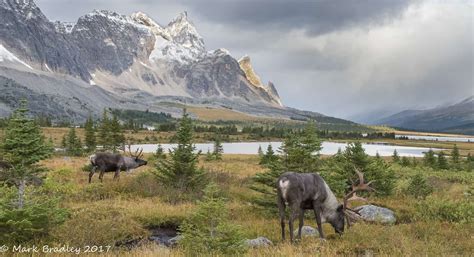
(309, 191)
(111, 162)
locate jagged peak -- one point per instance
(27, 8)
(183, 32)
(247, 68)
(145, 20)
(254, 79)
(182, 17)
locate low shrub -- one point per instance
(144, 184)
(99, 191)
(60, 183)
(461, 211)
(418, 187)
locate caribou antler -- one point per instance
(138, 153)
(351, 196)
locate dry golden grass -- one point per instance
(409, 238)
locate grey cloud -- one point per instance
(336, 58)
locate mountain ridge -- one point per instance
(129, 61)
(456, 117)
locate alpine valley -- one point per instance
(107, 60)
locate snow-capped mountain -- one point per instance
(131, 61)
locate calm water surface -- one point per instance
(438, 138)
(329, 148)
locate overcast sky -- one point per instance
(340, 58)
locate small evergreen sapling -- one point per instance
(209, 230)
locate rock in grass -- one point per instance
(376, 214)
(307, 231)
(172, 242)
(258, 242)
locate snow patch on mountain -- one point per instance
(179, 41)
(64, 27)
(6, 55)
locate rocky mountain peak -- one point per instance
(145, 20)
(26, 8)
(183, 32)
(246, 66)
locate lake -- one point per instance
(329, 148)
(438, 138)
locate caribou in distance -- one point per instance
(309, 191)
(111, 162)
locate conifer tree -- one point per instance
(260, 152)
(208, 230)
(269, 157)
(160, 153)
(218, 148)
(442, 162)
(180, 170)
(117, 138)
(455, 154)
(209, 156)
(429, 159)
(90, 138)
(104, 132)
(73, 143)
(395, 157)
(23, 147)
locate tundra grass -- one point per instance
(142, 200)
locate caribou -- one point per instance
(309, 191)
(110, 162)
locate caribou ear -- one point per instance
(340, 208)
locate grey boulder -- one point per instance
(307, 231)
(258, 242)
(376, 214)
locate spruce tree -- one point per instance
(260, 152)
(209, 155)
(23, 147)
(180, 170)
(418, 187)
(90, 139)
(442, 162)
(104, 132)
(395, 157)
(269, 157)
(209, 231)
(429, 159)
(455, 154)
(160, 153)
(73, 143)
(218, 148)
(117, 138)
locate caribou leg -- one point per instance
(301, 223)
(281, 209)
(317, 213)
(101, 175)
(294, 212)
(91, 173)
(117, 174)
